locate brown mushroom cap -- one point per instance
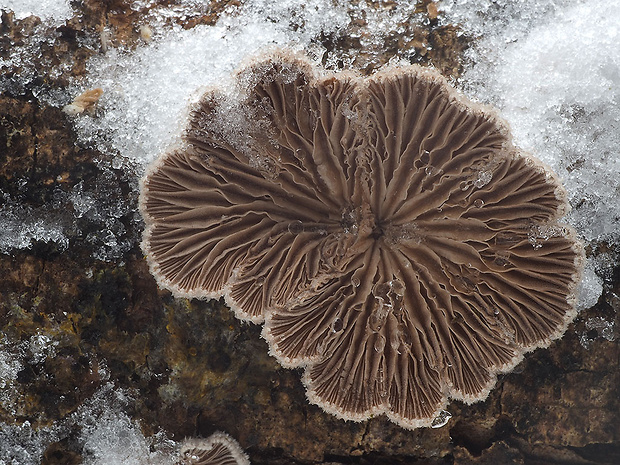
(386, 230)
(217, 449)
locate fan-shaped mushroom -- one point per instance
(388, 233)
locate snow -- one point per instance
(22, 225)
(53, 11)
(147, 92)
(106, 434)
(91, 213)
(110, 437)
(21, 444)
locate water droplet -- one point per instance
(398, 287)
(441, 419)
(406, 339)
(375, 322)
(433, 171)
(478, 203)
(395, 340)
(295, 227)
(355, 281)
(484, 177)
(379, 343)
(380, 290)
(337, 325)
(425, 156)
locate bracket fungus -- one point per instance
(386, 231)
(217, 449)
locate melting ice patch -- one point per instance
(20, 444)
(110, 437)
(106, 435)
(95, 213)
(597, 328)
(14, 356)
(23, 225)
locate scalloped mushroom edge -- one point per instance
(316, 76)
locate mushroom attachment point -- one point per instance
(385, 229)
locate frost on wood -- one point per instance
(386, 231)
